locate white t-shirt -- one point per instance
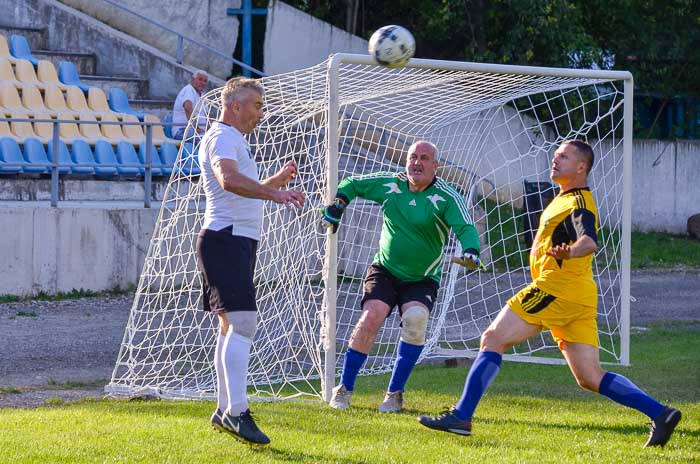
(224, 208)
(179, 117)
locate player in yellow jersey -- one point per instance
(562, 298)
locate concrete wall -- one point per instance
(296, 40)
(57, 250)
(205, 22)
(117, 53)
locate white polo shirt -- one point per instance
(224, 208)
(179, 116)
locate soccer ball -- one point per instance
(392, 46)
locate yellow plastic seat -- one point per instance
(133, 134)
(158, 133)
(43, 130)
(24, 72)
(21, 130)
(111, 131)
(91, 132)
(54, 100)
(31, 98)
(46, 73)
(75, 99)
(68, 130)
(97, 101)
(9, 98)
(5, 50)
(7, 75)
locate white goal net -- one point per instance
(496, 128)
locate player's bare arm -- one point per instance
(231, 180)
(288, 172)
(584, 246)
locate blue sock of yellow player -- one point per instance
(351, 366)
(483, 371)
(405, 361)
(621, 390)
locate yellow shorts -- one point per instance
(568, 321)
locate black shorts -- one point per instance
(227, 265)
(381, 285)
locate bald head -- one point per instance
(421, 165)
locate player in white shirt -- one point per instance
(227, 245)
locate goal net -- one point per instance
(496, 128)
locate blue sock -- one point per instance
(351, 366)
(621, 390)
(483, 371)
(405, 360)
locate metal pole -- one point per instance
(149, 167)
(331, 264)
(54, 166)
(626, 252)
(247, 47)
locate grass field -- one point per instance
(533, 413)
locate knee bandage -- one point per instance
(243, 323)
(414, 322)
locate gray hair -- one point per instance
(234, 87)
(412, 148)
(199, 72)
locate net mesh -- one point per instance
(495, 132)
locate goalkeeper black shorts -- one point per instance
(227, 264)
(380, 284)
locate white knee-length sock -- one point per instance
(235, 360)
(222, 399)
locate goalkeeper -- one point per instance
(562, 298)
(419, 210)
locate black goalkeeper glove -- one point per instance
(331, 214)
(470, 259)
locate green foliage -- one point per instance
(657, 250)
(532, 413)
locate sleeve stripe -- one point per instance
(376, 175)
(458, 199)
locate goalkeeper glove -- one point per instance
(470, 259)
(331, 214)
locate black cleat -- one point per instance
(243, 428)
(447, 422)
(662, 427)
(216, 420)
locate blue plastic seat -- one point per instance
(104, 154)
(119, 103)
(68, 74)
(155, 159)
(81, 154)
(190, 160)
(168, 129)
(168, 154)
(10, 153)
(127, 155)
(64, 158)
(35, 153)
(19, 47)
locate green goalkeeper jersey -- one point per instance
(416, 224)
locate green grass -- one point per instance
(656, 250)
(532, 413)
(72, 295)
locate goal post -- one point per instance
(495, 127)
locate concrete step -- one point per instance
(155, 107)
(85, 62)
(36, 36)
(135, 88)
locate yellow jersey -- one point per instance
(567, 218)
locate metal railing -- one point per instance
(182, 38)
(55, 164)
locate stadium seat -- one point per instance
(46, 73)
(25, 73)
(5, 50)
(189, 161)
(81, 154)
(31, 99)
(43, 130)
(111, 131)
(75, 99)
(64, 158)
(54, 100)
(155, 159)
(158, 134)
(119, 103)
(127, 155)
(91, 132)
(168, 118)
(19, 48)
(7, 75)
(35, 154)
(5, 127)
(104, 155)
(168, 154)
(10, 153)
(98, 101)
(133, 134)
(68, 74)
(68, 130)
(21, 130)
(9, 98)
